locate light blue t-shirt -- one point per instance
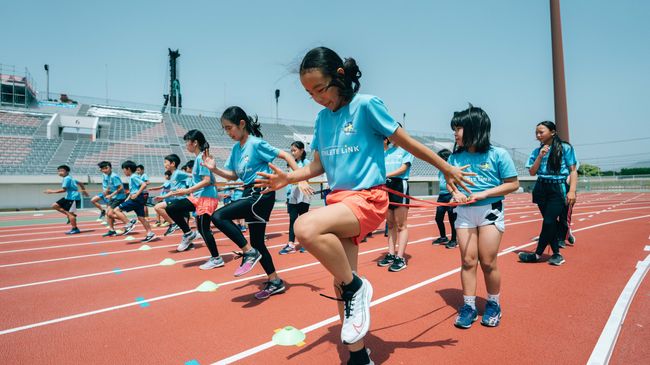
(350, 143)
(396, 157)
(71, 189)
(491, 168)
(568, 160)
(443, 183)
(178, 180)
(198, 172)
(166, 187)
(112, 182)
(145, 178)
(300, 164)
(135, 181)
(253, 157)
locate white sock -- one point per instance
(494, 298)
(470, 300)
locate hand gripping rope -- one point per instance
(427, 202)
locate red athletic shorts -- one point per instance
(369, 206)
(204, 205)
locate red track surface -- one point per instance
(551, 315)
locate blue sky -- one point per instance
(423, 58)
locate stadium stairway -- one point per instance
(174, 141)
(60, 157)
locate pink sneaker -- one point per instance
(249, 259)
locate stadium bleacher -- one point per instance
(22, 139)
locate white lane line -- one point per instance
(327, 321)
(172, 295)
(647, 248)
(604, 348)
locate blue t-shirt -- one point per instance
(568, 160)
(135, 181)
(300, 164)
(253, 157)
(178, 180)
(198, 172)
(71, 189)
(166, 187)
(491, 168)
(350, 143)
(145, 178)
(396, 157)
(111, 183)
(443, 183)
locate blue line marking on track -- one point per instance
(117, 270)
(192, 362)
(143, 303)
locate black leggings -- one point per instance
(551, 201)
(295, 210)
(250, 207)
(178, 210)
(440, 216)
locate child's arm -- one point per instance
(573, 185)
(211, 164)
(509, 185)
(402, 169)
(140, 190)
(203, 183)
(302, 185)
(83, 188)
(453, 175)
(57, 191)
(538, 161)
(280, 179)
(156, 188)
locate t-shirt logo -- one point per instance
(484, 166)
(348, 128)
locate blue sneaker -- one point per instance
(466, 316)
(73, 231)
(287, 249)
(242, 228)
(492, 315)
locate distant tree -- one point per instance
(589, 170)
(636, 171)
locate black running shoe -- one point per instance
(440, 240)
(527, 257)
(556, 260)
(387, 260)
(451, 244)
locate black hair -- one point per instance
(173, 158)
(444, 154)
(234, 114)
(555, 159)
(301, 146)
(168, 173)
(197, 135)
(64, 167)
(190, 164)
(104, 164)
(141, 167)
(328, 62)
(476, 129)
(129, 165)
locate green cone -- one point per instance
(288, 336)
(167, 262)
(207, 286)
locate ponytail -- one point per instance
(557, 151)
(197, 135)
(234, 114)
(328, 62)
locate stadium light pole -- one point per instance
(559, 85)
(277, 98)
(47, 77)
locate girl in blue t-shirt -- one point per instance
(444, 196)
(249, 155)
(480, 225)
(398, 167)
(348, 148)
(200, 197)
(297, 202)
(553, 162)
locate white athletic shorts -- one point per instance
(472, 216)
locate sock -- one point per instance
(470, 300)
(353, 286)
(494, 298)
(359, 357)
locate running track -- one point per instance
(74, 300)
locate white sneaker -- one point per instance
(129, 226)
(149, 237)
(212, 263)
(356, 318)
(186, 242)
